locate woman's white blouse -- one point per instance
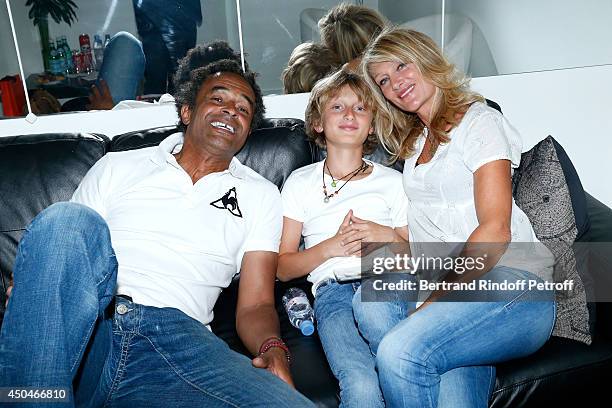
(441, 192)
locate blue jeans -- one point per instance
(58, 328)
(123, 66)
(462, 387)
(168, 30)
(463, 338)
(347, 352)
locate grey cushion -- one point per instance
(547, 188)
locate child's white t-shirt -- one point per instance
(378, 197)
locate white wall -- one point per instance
(399, 11)
(527, 35)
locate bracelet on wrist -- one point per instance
(275, 342)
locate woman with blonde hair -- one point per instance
(459, 155)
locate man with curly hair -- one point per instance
(114, 290)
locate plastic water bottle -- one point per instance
(299, 310)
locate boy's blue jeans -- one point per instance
(347, 352)
(58, 328)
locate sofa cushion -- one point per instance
(547, 188)
(35, 172)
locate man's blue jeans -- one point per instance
(123, 66)
(443, 354)
(58, 328)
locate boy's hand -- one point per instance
(342, 243)
(368, 231)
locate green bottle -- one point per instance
(55, 64)
(68, 55)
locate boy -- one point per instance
(338, 204)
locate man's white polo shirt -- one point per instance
(178, 244)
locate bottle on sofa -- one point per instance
(299, 310)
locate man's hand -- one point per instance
(100, 97)
(275, 361)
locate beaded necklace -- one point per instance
(362, 167)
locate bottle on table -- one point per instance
(68, 55)
(106, 40)
(55, 63)
(98, 51)
(88, 63)
(61, 53)
(299, 311)
(77, 61)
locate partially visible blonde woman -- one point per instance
(347, 29)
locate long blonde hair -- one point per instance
(452, 96)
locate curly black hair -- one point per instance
(199, 64)
(202, 55)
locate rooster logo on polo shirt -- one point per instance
(229, 201)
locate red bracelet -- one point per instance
(275, 342)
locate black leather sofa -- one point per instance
(38, 170)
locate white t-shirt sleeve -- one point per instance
(94, 189)
(399, 206)
(491, 137)
(293, 202)
(267, 224)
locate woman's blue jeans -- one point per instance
(443, 354)
(64, 324)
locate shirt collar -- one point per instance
(174, 143)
